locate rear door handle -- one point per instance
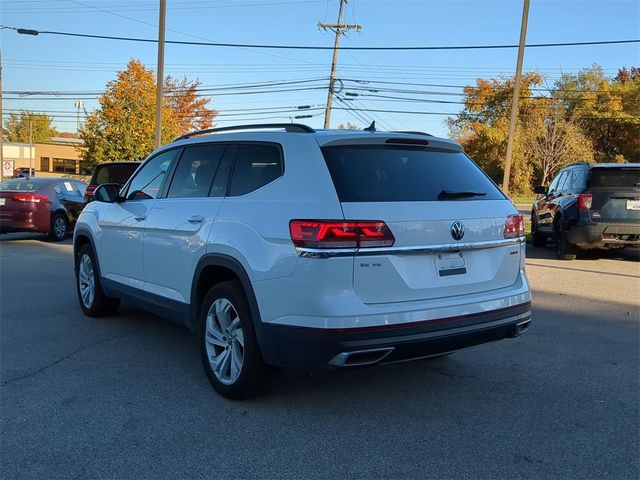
(195, 219)
(140, 218)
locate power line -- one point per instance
(25, 31)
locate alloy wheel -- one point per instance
(86, 281)
(224, 341)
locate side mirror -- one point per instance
(107, 192)
(540, 190)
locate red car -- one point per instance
(47, 205)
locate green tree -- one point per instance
(123, 127)
(17, 127)
(607, 109)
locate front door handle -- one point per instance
(195, 219)
(140, 218)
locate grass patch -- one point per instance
(523, 199)
(527, 232)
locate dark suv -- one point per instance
(589, 206)
(112, 172)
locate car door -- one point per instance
(67, 194)
(122, 225)
(179, 223)
(546, 206)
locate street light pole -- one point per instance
(160, 73)
(516, 97)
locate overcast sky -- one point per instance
(53, 63)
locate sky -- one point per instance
(58, 64)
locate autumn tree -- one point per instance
(191, 111)
(552, 140)
(123, 127)
(608, 110)
(483, 127)
(28, 126)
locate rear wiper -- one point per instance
(448, 194)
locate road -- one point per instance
(125, 397)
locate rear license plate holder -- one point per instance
(633, 204)
(2, 202)
(449, 264)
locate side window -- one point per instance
(256, 166)
(554, 185)
(58, 189)
(570, 184)
(146, 184)
(196, 170)
(581, 179)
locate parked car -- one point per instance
(114, 172)
(23, 172)
(589, 206)
(47, 205)
(280, 245)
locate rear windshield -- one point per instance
(614, 178)
(21, 184)
(394, 173)
(114, 173)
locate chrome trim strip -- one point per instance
(418, 250)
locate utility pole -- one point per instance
(30, 144)
(160, 73)
(340, 29)
(516, 97)
(79, 105)
(1, 121)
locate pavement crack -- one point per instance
(69, 355)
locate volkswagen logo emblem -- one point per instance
(457, 230)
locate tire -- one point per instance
(229, 348)
(564, 249)
(539, 239)
(93, 301)
(59, 228)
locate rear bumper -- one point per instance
(313, 349)
(605, 234)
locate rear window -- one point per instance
(614, 178)
(114, 173)
(21, 184)
(390, 173)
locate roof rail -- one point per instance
(579, 162)
(412, 132)
(289, 127)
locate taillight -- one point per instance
(514, 226)
(89, 190)
(29, 197)
(340, 234)
(584, 201)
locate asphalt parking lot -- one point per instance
(126, 397)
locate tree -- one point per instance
(483, 127)
(608, 110)
(191, 111)
(123, 127)
(348, 126)
(551, 141)
(41, 129)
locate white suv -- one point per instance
(284, 246)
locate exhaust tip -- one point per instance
(521, 327)
(361, 358)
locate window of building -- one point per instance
(62, 165)
(44, 164)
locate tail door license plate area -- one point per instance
(448, 264)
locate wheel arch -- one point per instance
(215, 268)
